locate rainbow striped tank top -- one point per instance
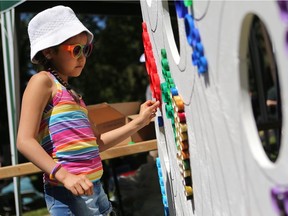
(66, 135)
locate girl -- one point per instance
(54, 130)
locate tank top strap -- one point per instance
(59, 93)
(58, 84)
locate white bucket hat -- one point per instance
(52, 27)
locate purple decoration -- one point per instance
(279, 197)
(283, 5)
(287, 40)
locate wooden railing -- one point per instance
(117, 151)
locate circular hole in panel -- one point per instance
(264, 91)
(171, 27)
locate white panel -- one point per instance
(231, 173)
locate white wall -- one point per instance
(230, 170)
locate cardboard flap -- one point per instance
(127, 108)
(105, 117)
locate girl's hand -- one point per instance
(111, 138)
(77, 184)
(148, 111)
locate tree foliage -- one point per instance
(113, 72)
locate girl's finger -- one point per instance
(79, 189)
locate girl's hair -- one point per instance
(43, 62)
(48, 66)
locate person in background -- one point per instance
(55, 132)
(272, 102)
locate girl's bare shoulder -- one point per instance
(40, 84)
(42, 79)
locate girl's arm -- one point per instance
(111, 138)
(36, 96)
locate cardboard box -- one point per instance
(131, 110)
(146, 133)
(111, 116)
(127, 108)
(105, 117)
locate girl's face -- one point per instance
(63, 60)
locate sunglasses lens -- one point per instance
(87, 50)
(77, 51)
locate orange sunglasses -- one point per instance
(77, 50)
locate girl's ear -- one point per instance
(47, 53)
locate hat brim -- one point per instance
(58, 36)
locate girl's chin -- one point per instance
(77, 71)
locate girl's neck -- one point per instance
(56, 74)
(75, 96)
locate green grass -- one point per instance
(38, 212)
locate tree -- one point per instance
(113, 72)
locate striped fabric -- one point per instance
(66, 135)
